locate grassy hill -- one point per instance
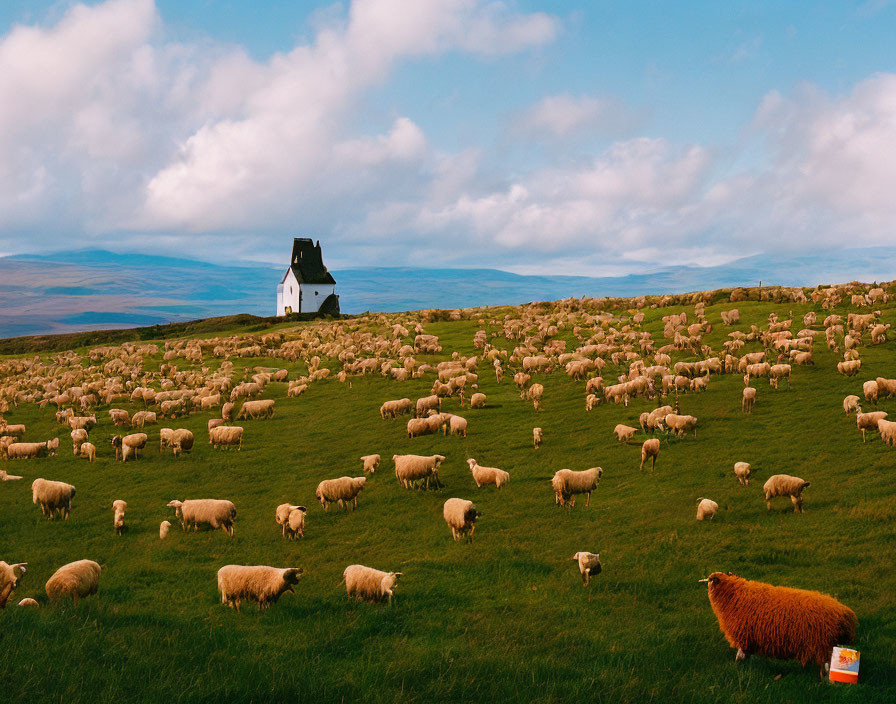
(503, 619)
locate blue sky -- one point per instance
(598, 137)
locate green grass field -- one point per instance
(503, 619)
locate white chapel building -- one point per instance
(307, 286)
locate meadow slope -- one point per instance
(503, 619)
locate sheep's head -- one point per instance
(177, 506)
(471, 462)
(116, 442)
(291, 576)
(389, 581)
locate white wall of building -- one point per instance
(312, 295)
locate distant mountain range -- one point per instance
(97, 289)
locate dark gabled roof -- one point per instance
(307, 263)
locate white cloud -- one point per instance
(564, 114)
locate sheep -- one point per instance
(589, 565)
(257, 409)
(425, 404)
(680, 424)
(868, 421)
(534, 394)
(127, 446)
(26, 450)
(76, 580)
(887, 430)
(779, 622)
(143, 418)
(749, 400)
(15, 431)
(424, 470)
(227, 411)
(537, 437)
(52, 447)
(179, 439)
(849, 368)
(391, 409)
(706, 508)
(119, 507)
(119, 417)
(215, 513)
(488, 475)
(164, 527)
(885, 387)
(85, 422)
(742, 472)
(9, 580)
(850, 403)
(259, 583)
(295, 523)
(869, 390)
(624, 433)
(461, 515)
(650, 450)
(371, 463)
(88, 451)
(226, 436)
(79, 436)
(477, 400)
(28, 601)
(343, 490)
(4, 477)
(785, 485)
(567, 483)
(457, 425)
(53, 497)
(776, 373)
(370, 585)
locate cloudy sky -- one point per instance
(579, 137)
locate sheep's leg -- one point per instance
(653, 466)
(588, 500)
(741, 655)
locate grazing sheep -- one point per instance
(52, 447)
(371, 463)
(88, 451)
(259, 583)
(367, 584)
(179, 440)
(26, 450)
(9, 580)
(227, 411)
(79, 437)
(749, 400)
(426, 404)
(592, 401)
(53, 497)
(418, 470)
(742, 472)
(127, 446)
(391, 409)
(76, 580)
(850, 403)
(779, 622)
(295, 522)
(534, 394)
(680, 424)
(624, 433)
(488, 475)
(257, 409)
(706, 508)
(777, 372)
(849, 367)
(868, 421)
(650, 450)
(567, 483)
(457, 425)
(785, 485)
(164, 527)
(461, 515)
(226, 436)
(119, 507)
(887, 430)
(869, 389)
(215, 513)
(85, 422)
(143, 418)
(537, 437)
(214, 423)
(343, 490)
(120, 417)
(477, 400)
(589, 565)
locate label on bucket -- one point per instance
(845, 665)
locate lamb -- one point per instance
(567, 483)
(779, 622)
(79, 437)
(868, 421)
(461, 516)
(624, 433)
(749, 400)
(119, 507)
(887, 430)
(537, 437)
(257, 409)
(164, 527)
(75, 580)
(371, 463)
(488, 475)
(26, 450)
(370, 585)
(477, 400)
(419, 469)
(706, 508)
(215, 513)
(226, 436)
(650, 450)
(259, 583)
(88, 451)
(850, 403)
(343, 490)
(785, 485)
(680, 424)
(742, 472)
(53, 497)
(589, 565)
(9, 580)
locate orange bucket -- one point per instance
(844, 665)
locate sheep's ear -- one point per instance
(397, 574)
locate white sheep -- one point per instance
(26, 450)
(75, 580)
(4, 477)
(589, 565)
(88, 451)
(343, 491)
(680, 424)
(259, 583)
(868, 421)
(164, 527)
(52, 497)
(706, 509)
(226, 436)
(624, 433)
(368, 584)
(127, 446)
(295, 523)
(650, 450)
(850, 404)
(477, 400)
(567, 483)
(749, 400)
(461, 515)
(785, 485)
(742, 472)
(9, 579)
(118, 507)
(488, 475)
(371, 463)
(215, 513)
(418, 470)
(537, 437)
